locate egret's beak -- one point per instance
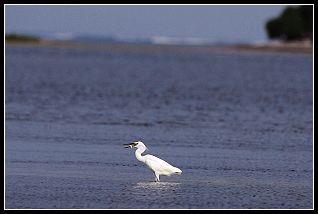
(128, 145)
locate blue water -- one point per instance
(239, 126)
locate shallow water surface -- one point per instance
(239, 126)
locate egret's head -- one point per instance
(137, 144)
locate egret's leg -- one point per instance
(157, 177)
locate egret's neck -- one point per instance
(138, 153)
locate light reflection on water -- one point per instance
(157, 185)
(156, 193)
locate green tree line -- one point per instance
(13, 37)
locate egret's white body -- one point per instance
(156, 165)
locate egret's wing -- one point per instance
(158, 165)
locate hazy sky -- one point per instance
(214, 22)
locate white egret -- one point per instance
(156, 165)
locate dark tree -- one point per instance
(295, 23)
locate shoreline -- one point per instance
(289, 48)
